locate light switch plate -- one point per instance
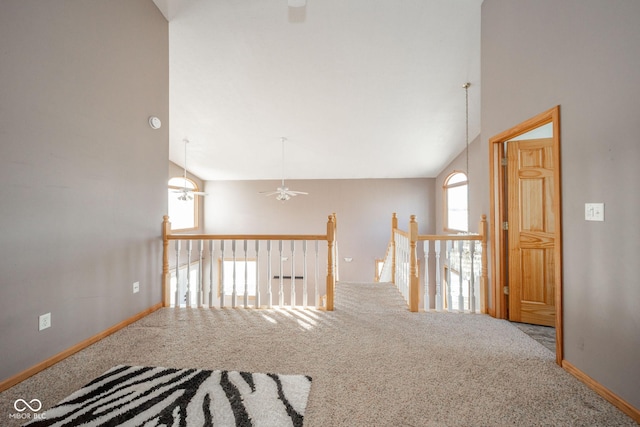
(594, 211)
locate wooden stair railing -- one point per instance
(453, 255)
(203, 300)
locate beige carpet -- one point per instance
(372, 362)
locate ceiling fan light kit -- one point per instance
(283, 193)
(186, 193)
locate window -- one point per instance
(455, 202)
(183, 207)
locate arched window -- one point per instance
(455, 202)
(183, 206)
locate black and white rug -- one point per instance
(153, 396)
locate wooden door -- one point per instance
(531, 231)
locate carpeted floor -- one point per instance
(372, 362)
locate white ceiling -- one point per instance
(361, 88)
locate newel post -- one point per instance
(392, 247)
(414, 288)
(336, 249)
(484, 280)
(166, 279)
(331, 281)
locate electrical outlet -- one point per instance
(136, 287)
(44, 321)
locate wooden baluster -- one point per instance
(293, 273)
(477, 265)
(176, 301)
(257, 304)
(484, 279)
(460, 275)
(472, 277)
(210, 294)
(439, 296)
(399, 263)
(222, 278)
(304, 274)
(336, 256)
(394, 226)
(413, 283)
(427, 302)
(401, 277)
(449, 263)
(401, 280)
(200, 281)
(281, 282)
(269, 276)
(234, 290)
(316, 283)
(188, 294)
(246, 277)
(398, 279)
(395, 259)
(166, 276)
(405, 268)
(331, 282)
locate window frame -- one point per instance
(445, 196)
(196, 208)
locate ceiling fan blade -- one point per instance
(269, 193)
(295, 193)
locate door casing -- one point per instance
(498, 262)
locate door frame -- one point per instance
(497, 211)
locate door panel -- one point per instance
(531, 233)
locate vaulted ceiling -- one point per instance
(360, 88)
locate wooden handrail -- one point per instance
(402, 233)
(423, 237)
(247, 237)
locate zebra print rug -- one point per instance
(153, 396)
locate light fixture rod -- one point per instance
(283, 139)
(186, 141)
(466, 149)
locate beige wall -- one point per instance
(363, 208)
(84, 176)
(583, 55)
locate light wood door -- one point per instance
(531, 231)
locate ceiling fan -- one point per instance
(283, 193)
(186, 192)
